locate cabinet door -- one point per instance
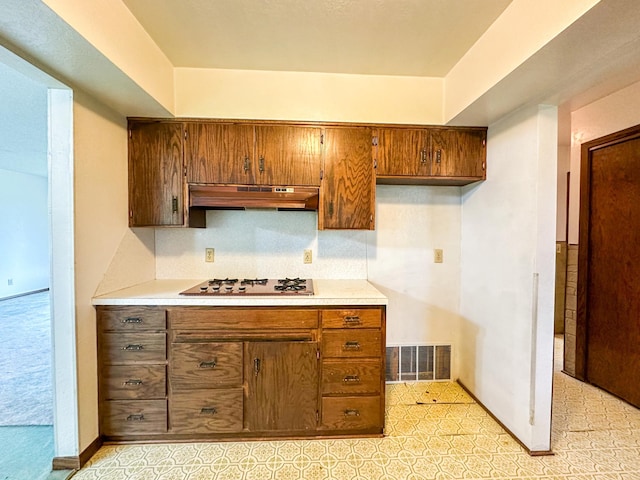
(282, 386)
(288, 155)
(402, 152)
(219, 153)
(458, 153)
(348, 186)
(155, 174)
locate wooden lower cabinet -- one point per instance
(212, 373)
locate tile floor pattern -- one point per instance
(433, 431)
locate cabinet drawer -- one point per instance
(134, 417)
(133, 347)
(348, 377)
(132, 319)
(241, 319)
(351, 343)
(206, 411)
(354, 318)
(205, 365)
(351, 413)
(134, 382)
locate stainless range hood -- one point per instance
(253, 196)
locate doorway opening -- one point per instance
(38, 400)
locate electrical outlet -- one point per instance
(208, 254)
(437, 255)
(307, 256)
(10, 282)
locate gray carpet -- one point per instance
(25, 361)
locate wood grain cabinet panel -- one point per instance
(219, 153)
(351, 343)
(205, 365)
(351, 318)
(133, 319)
(133, 417)
(351, 413)
(248, 154)
(430, 155)
(349, 377)
(458, 153)
(206, 411)
(403, 152)
(282, 386)
(121, 382)
(347, 193)
(118, 348)
(234, 319)
(156, 176)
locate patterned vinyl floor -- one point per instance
(444, 436)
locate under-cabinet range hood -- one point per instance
(250, 196)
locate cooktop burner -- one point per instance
(255, 286)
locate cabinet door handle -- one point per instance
(352, 320)
(246, 164)
(139, 417)
(210, 364)
(133, 347)
(131, 320)
(351, 379)
(174, 204)
(261, 164)
(423, 156)
(351, 412)
(438, 155)
(208, 411)
(351, 346)
(133, 382)
(256, 366)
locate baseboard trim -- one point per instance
(533, 453)
(76, 463)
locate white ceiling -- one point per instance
(379, 37)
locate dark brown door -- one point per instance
(155, 174)
(610, 265)
(282, 386)
(348, 186)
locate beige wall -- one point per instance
(307, 96)
(100, 162)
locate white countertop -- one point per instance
(167, 292)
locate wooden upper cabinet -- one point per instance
(458, 153)
(402, 151)
(431, 156)
(288, 155)
(155, 174)
(219, 153)
(253, 154)
(347, 193)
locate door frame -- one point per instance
(582, 318)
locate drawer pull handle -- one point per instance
(133, 347)
(351, 346)
(352, 320)
(351, 379)
(131, 320)
(256, 366)
(208, 411)
(139, 417)
(133, 382)
(211, 364)
(351, 412)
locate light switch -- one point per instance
(438, 255)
